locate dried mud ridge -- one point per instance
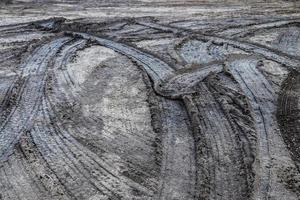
(169, 113)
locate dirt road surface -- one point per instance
(144, 100)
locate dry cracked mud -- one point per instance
(140, 100)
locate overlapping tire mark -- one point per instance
(216, 161)
(163, 76)
(197, 78)
(23, 113)
(269, 53)
(68, 96)
(262, 99)
(243, 31)
(171, 181)
(61, 149)
(156, 69)
(217, 149)
(64, 150)
(266, 159)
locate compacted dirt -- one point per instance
(169, 100)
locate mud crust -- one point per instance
(141, 108)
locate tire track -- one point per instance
(23, 113)
(262, 98)
(244, 31)
(155, 68)
(219, 160)
(61, 160)
(19, 180)
(39, 170)
(82, 128)
(265, 176)
(178, 173)
(166, 82)
(158, 71)
(220, 164)
(59, 147)
(269, 53)
(289, 41)
(288, 115)
(103, 177)
(233, 103)
(288, 119)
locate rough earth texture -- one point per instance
(138, 100)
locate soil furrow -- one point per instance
(156, 69)
(178, 173)
(261, 98)
(288, 119)
(227, 182)
(272, 54)
(24, 111)
(149, 100)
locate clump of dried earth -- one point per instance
(137, 100)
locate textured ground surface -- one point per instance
(140, 100)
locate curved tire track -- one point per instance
(262, 100)
(177, 174)
(288, 115)
(21, 116)
(214, 163)
(221, 171)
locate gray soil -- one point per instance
(142, 100)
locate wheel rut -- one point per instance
(23, 113)
(210, 124)
(262, 99)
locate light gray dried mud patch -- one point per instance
(274, 73)
(284, 39)
(203, 52)
(107, 117)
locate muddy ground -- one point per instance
(138, 100)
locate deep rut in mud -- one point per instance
(135, 109)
